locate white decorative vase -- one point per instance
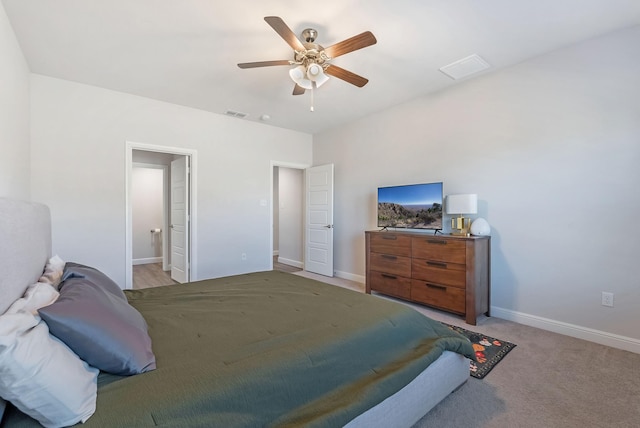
(480, 227)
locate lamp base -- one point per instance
(460, 226)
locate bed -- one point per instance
(259, 349)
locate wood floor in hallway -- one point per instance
(282, 267)
(150, 275)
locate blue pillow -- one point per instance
(76, 270)
(100, 327)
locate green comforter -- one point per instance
(269, 349)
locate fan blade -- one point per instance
(353, 44)
(264, 63)
(285, 32)
(298, 90)
(346, 75)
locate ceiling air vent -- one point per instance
(465, 67)
(237, 114)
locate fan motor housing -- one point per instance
(313, 53)
(309, 35)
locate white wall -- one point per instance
(147, 213)
(291, 187)
(78, 136)
(14, 115)
(552, 148)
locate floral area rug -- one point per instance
(489, 351)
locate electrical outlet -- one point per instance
(243, 256)
(607, 299)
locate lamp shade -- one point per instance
(462, 204)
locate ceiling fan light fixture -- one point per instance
(298, 75)
(312, 61)
(316, 74)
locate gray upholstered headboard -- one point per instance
(25, 247)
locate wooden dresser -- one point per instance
(443, 271)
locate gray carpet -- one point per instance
(547, 381)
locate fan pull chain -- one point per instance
(313, 87)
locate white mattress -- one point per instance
(407, 406)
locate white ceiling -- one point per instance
(185, 51)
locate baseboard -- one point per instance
(592, 335)
(146, 261)
(350, 276)
(276, 252)
(290, 262)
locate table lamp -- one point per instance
(459, 205)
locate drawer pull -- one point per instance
(386, 275)
(390, 237)
(389, 257)
(439, 287)
(436, 241)
(437, 264)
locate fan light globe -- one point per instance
(298, 75)
(316, 74)
(314, 71)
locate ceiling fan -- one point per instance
(313, 62)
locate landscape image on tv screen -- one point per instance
(415, 206)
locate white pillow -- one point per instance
(53, 271)
(37, 296)
(41, 376)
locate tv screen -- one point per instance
(413, 206)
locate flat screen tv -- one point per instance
(413, 206)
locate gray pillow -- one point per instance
(77, 270)
(101, 328)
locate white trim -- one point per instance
(273, 164)
(146, 261)
(350, 276)
(130, 146)
(290, 262)
(592, 335)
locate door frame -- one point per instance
(130, 146)
(292, 165)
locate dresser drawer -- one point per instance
(440, 249)
(392, 264)
(449, 298)
(453, 274)
(391, 243)
(392, 285)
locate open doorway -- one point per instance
(302, 216)
(288, 219)
(160, 215)
(149, 224)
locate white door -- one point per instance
(319, 220)
(180, 219)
